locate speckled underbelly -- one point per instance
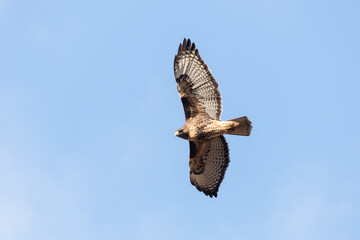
(206, 130)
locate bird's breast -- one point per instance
(204, 130)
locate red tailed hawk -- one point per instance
(199, 94)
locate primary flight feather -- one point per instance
(201, 99)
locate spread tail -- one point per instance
(240, 126)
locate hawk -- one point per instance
(199, 94)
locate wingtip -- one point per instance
(180, 48)
(210, 194)
(213, 195)
(187, 45)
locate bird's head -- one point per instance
(181, 133)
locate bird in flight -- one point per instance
(199, 94)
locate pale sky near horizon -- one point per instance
(89, 107)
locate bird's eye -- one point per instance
(181, 131)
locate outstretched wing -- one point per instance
(208, 162)
(197, 88)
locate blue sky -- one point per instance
(89, 107)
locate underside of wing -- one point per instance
(196, 85)
(208, 162)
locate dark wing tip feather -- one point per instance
(212, 193)
(187, 45)
(180, 48)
